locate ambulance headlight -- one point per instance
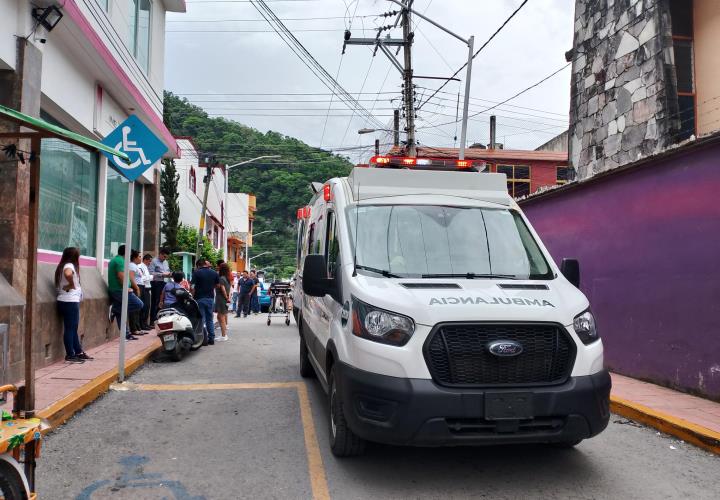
(379, 325)
(584, 325)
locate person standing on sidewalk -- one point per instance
(136, 283)
(204, 282)
(160, 269)
(116, 281)
(69, 296)
(254, 299)
(222, 298)
(245, 286)
(233, 304)
(145, 289)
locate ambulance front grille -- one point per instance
(457, 354)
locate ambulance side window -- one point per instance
(332, 248)
(301, 234)
(311, 239)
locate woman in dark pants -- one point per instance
(69, 296)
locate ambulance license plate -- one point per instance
(508, 405)
(169, 338)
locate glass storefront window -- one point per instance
(68, 196)
(116, 213)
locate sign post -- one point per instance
(135, 139)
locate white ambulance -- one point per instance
(433, 315)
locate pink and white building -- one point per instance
(102, 61)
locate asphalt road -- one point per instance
(249, 428)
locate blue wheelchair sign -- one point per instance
(136, 140)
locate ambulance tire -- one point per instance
(343, 441)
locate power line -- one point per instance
(477, 52)
(309, 30)
(312, 64)
(263, 20)
(514, 96)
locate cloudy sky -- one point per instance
(223, 56)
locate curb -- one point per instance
(60, 411)
(687, 431)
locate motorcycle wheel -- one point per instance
(177, 353)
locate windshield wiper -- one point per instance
(471, 276)
(382, 272)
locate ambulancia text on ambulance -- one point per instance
(432, 315)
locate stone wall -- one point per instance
(622, 83)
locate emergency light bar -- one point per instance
(427, 163)
(303, 213)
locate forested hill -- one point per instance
(281, 185)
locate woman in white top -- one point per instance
(69, 296)
(136, 282)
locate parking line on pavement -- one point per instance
(318, 479)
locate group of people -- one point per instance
(245, 294)
(150, 283)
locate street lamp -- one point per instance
(227, 189)
(247, 245)
(371, 130)
(258, 255)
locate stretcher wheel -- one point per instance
(287, 322)
(268, 322)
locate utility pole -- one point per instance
(492, 132)
(396, 127)
(209, 163)
(407, 80)
(377, 147)
(404, 15)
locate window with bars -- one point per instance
(681, 13)
(562, 175)
(518, 179)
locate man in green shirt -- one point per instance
(116, 278)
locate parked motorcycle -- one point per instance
(180, 326)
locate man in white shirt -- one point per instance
(233, 304)
(145, 291)
(160, 269)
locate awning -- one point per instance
(45, 129)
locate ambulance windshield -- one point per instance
(443, 241)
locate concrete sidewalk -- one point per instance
(63, 388)
(690, 418)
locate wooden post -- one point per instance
(30, 294)
(30, 288)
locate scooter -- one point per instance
(180, 326)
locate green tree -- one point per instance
(280, 185)
(170, 218)
(187, 240)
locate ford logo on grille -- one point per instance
(505, 348)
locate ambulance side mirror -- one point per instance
(315, 277)
(570, 268)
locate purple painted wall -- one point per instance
(648, 241)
